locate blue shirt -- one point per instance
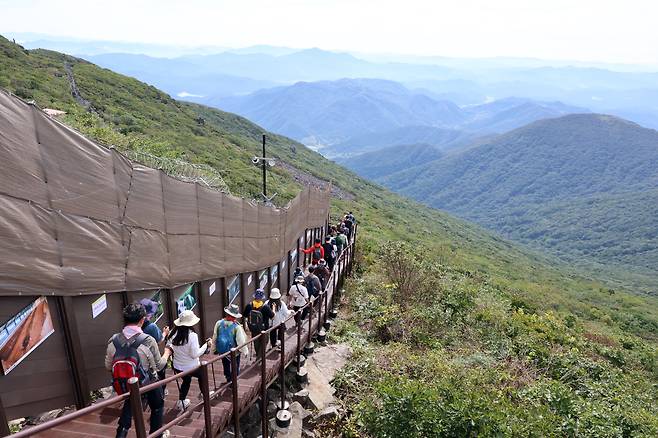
(152, 330)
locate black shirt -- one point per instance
(264, 309)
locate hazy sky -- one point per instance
(587, 30)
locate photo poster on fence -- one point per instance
(234, 289)
(187, 301)
(157, 297)
(98, 306)
(212, 288)
(262, 279)
(249, 279)
(24, 332)
(274, 274)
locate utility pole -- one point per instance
(264, 162)
(264, 170)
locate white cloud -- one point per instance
(186, 94)
(596, 30)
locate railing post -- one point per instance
(136, 407)
(234, 387)
(310, 320)
(333, 293)
(298, 320)
(205, 391)
(282, 370)
(263, 387)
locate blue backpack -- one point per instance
(226, 333)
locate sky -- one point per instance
(584, 30)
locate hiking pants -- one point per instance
(187, 381)
(226, 362)
(155, 400)
(304, 312)
(275, 335)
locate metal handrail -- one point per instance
(136, 392)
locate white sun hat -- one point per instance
(187, 318)
(275, 294)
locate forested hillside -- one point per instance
(582, 186)
(482, 337)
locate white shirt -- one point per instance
(281, 314)
(298, 295)
(186, 356)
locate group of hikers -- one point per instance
(135, 351)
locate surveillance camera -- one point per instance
(271, 162)
(255, 160)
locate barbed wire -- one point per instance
(189, 172)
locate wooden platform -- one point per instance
(103, 423)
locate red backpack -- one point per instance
(126, 363)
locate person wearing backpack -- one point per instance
(322, 273)
(184, 343)
(341, 241)
(258, 315)
(298, 296)
(312, 282)
(132, 353)
(229, 334)
(316, 251)
(281, 312)
(329, 252)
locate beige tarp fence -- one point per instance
(77, 217)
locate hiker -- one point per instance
(152, 329)
(257, 316)
(341, 241)
(184, 343)
(348, 226)
(316, 251)
(228, 334)
(312, 282)
(298, 296)
(133, 353)
(322, 273)
(329, 252)
(281, 312)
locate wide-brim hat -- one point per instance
(299, 279)
(233, 310)
(275, 294)
(187, 319)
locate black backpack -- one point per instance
(310, 286)
(256, 320)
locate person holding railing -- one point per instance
(184, 342)
(132, 353)
(229, 334)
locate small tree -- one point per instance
(401, 267)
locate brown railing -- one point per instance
(342, 267)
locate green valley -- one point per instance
(475, 336)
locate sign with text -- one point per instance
(99, 306)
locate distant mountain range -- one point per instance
(626, 91)
(357, 115)
(583, 186)
(329, 112)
